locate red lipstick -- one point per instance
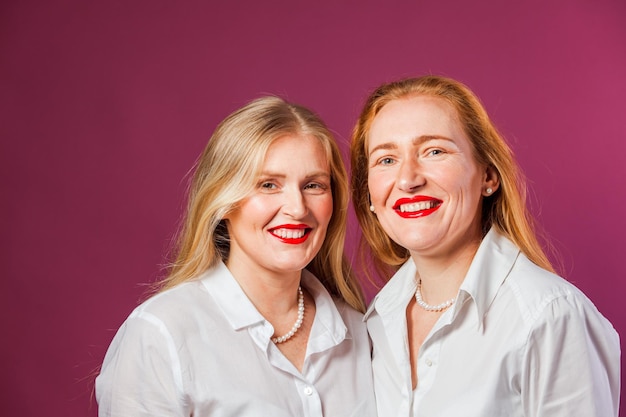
(292, 234)
(418, 206)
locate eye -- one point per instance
(434, 152)
(267, 186)
(386, 161)
(316, 187)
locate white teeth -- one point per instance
(289, 233)
(422, 205)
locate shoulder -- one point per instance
(501, 269)
(545, 298)
(177, 311)
(536, 287)
(172, 302)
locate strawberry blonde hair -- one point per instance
(505, 210)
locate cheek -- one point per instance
(323, 210)
(475, 182)
(257, 209)
(464, 178)
(377, 185)
(254, 205)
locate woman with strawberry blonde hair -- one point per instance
(474, 322)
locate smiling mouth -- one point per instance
(291, 235)
(422, 205)
(419, 207)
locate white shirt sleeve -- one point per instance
(140, 375)
(571, 362)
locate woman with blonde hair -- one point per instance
(474, 320)
(260, 314)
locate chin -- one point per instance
(286, 266)
(415, 244)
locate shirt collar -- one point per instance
(230, 298)
(328, 320)
(396, 293)
(241, 313)
(489, 268)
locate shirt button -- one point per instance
(308, 390)
(429, 362)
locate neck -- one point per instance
(442, 275)
(273, 294)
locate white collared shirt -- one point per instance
(519, 341)
(203, 349)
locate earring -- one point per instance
(372, 209)
(489, 190)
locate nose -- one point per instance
(295, 204)
(410, 175)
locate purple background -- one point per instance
(104, 107)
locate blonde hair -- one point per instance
(227, 172)
(505, 209)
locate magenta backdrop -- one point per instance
(106, 105)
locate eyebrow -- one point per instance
(315, 174)
(416, 141)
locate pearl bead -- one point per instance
(429, 307)
(297, 324)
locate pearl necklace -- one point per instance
(428, 307)
(297, 324)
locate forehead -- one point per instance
(294, 149)
(414, 117)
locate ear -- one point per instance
(491, 181)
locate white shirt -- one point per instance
(202, 349)
(519, 341)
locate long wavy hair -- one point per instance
(227, 172)
(505, 210)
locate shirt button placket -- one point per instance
(311, 401)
